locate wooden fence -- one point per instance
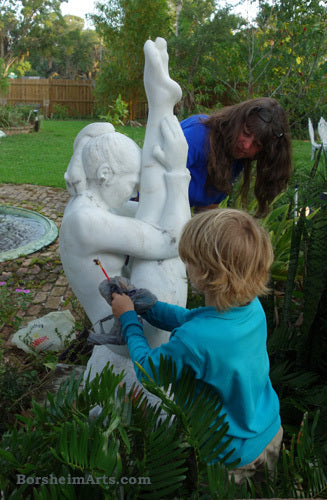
(74, 96)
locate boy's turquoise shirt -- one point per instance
(225, 350)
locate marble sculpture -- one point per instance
(138, 240)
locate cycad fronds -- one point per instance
(129, 438)
(199, 414)
(315, 282)
(301, 474)
(295, 246)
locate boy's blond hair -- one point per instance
(231, 254)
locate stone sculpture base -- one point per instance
(100, 357)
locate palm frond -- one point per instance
(297, 232)
(315, 281)
(301, 474)
(198, 408)
(221, 486)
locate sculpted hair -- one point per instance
(267, 120)
(120, 153)
(75, 175)
(231, 254)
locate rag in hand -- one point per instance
(142, 299)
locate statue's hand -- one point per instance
(173, 153)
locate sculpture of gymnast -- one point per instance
(106, 170)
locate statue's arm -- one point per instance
(104, 232)
(129, 209)
(171, 183)
(177, 210)
(173, 157)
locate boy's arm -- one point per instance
(166, 316)
(161, 315)
(140, 350)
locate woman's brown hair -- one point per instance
(267, 121)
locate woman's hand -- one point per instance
(121, 304)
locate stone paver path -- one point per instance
(40, 272)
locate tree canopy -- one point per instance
(36, 39)
(20, 22)
(217, 57)
(124, 26)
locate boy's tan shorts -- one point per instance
(256, 468)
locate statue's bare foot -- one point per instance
(160, 88)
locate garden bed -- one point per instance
(25, 129)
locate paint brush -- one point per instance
(98, 263)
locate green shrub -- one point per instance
(60, 112)
(14, 116)
(117, 113)
(129, 438)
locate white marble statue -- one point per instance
(162, 149)
(100, 222)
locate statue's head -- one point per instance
(75, 175)
(103, 158)
(112, 165)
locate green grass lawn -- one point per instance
(302, 154)
(42, 157)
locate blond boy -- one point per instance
(228, 257)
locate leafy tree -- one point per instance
(283, 55)
(4, 84)
(63, 48)
(77, 50)
(83, 59)
(43, 45)
(124, 26)
(219, 58)
(301, 55)
(20, 21)
(199, 50)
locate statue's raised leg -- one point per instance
(162, 94)
(164, 182)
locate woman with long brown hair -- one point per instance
(231, 141)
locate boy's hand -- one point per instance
(121, 304)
